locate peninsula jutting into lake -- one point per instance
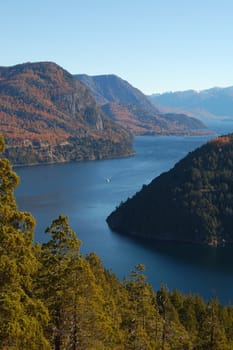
(193, 202)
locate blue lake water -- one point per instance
(80, 191)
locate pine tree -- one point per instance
(74, 290)
(22, 317)
(212, 336)
(56, 280)
(174, 335)
(107, 297)
(143, 322)
(227, 321)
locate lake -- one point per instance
(87, 192)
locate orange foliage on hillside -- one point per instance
(221, 140)
(43, 102)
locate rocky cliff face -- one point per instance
(193, 202)
(47, 115)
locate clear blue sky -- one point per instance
(156, 45)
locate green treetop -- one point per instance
(21, 316)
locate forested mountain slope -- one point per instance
(47, 115)
(54, 298)
(193, 202)
(130, 108)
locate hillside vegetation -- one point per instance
(47, 115)
(53, 297)
(193, 202)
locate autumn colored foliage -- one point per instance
(42, 106)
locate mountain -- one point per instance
(193, 202)
(211, 103)
(111, 88)
(130, 108)
(47, 115)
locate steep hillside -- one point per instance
(193, 202)
(215, 102)
(111, 88)
(130, 108)
(47, 115)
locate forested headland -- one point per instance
(192, 202)
(53, 297)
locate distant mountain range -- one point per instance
(211, 103)
(130, 108)
(47, 115)
(193, 202)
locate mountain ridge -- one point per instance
(47, 115)
(130, 108)
(210, 103)
(111, 88)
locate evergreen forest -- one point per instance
(192, 202)
(53, 297)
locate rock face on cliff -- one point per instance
(47, 115)
(193, 202)
(130, 108)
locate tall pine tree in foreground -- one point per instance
(22, 317)
(74, 290)
(56, 283)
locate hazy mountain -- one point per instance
(193, 202)
(130, 108)
(111, 88)
(47, 115)
(215, 102)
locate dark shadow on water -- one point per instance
(202, 256)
